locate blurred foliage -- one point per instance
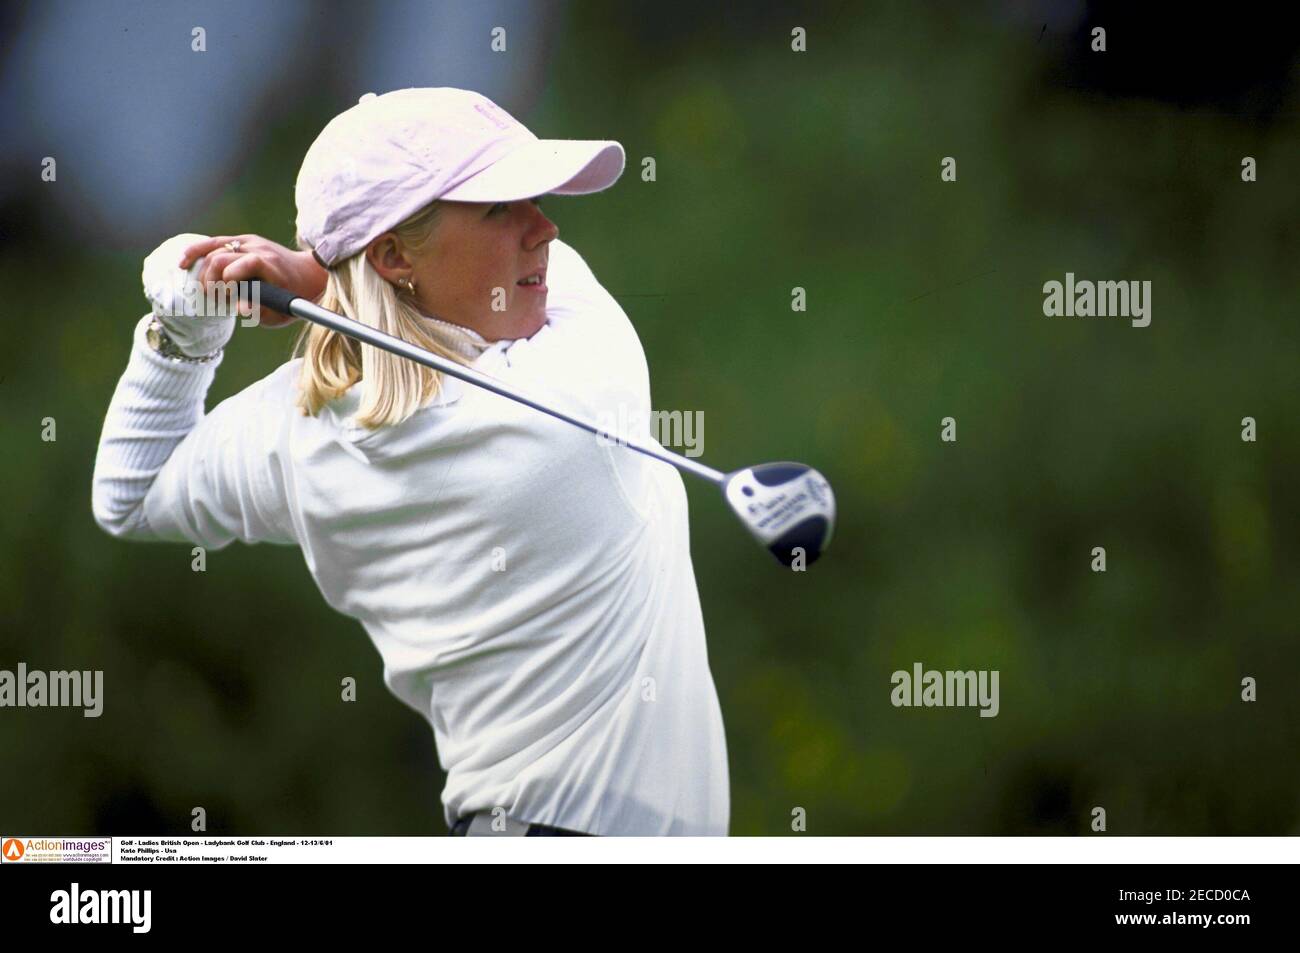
(777, 170)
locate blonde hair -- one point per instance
(393, 387)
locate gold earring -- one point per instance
(410, 286)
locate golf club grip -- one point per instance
(275, 297)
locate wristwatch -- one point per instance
(161, 342)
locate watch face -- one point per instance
(160, 342)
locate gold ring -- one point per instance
(234, 245)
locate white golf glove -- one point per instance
(179, 302)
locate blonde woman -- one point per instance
(528, 586)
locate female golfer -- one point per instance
(529, 587)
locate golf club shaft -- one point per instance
(279, 299)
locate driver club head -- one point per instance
(788, 507)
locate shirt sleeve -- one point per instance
(167, 471)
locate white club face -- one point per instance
(784, 505)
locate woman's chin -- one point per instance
(532, 320)
(533, 325)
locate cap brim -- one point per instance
(546, 166)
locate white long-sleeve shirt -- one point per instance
(528, 586)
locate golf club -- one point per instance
(788, 507)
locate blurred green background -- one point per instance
(924, 300)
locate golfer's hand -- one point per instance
(258, 259)
(198, 326)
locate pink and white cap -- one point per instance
(378, 163)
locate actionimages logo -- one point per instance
(57, 850)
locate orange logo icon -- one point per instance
(13, 849)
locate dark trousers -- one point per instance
(534, 830)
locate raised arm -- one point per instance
(165, 470)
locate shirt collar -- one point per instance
(457, 338)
